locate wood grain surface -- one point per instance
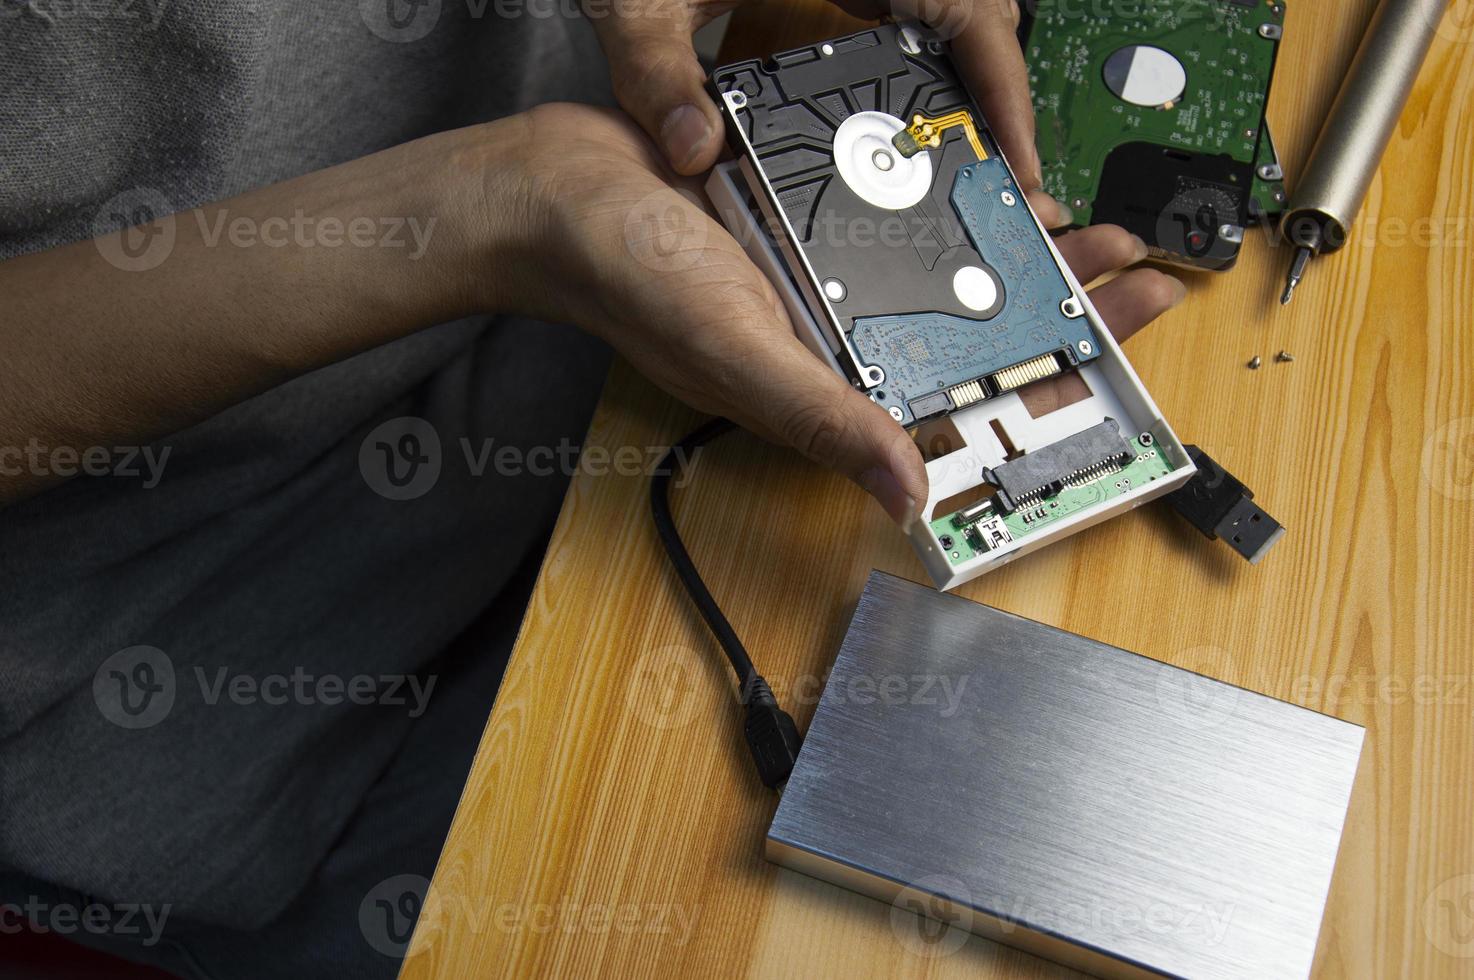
(611, 824)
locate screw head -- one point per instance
(1254, 362)
(1284, 357)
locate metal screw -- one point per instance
(1284, 357)
(1254, 362)
(896, 413)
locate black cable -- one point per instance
(670, 466)
(771, 733)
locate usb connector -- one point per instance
(1216, 503)
(771, 735)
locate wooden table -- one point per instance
(611, 823)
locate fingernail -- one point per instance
(1066, 213)
(1180, 289)
(885, 488)
(908, 519)
(683, 133)
(1036, 173)
(1138, 248)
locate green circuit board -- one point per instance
(1269, 192)
(1226, 51)
(1148, 465)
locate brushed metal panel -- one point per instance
(1086, 803)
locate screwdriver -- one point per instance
(1355, 134)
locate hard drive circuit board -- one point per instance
(1150, 115)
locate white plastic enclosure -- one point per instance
(1115, 392)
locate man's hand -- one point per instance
(616, 249)
(659, 82)
(564, 212)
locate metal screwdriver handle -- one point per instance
(1346, 154)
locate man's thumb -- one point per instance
(837, 427)
(659, 82)
(896, 476)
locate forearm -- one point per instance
(103, 346)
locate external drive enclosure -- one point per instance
(1070, 798)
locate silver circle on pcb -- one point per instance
(1007, 198)
(896, 413)
(861, 143)
(974, 288)
(1086, 348)
(835, 290)
(1145, 75)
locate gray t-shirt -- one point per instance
(151, 625)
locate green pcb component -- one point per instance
(1150, 115)
(979, 528)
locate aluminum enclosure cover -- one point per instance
(1088, 804)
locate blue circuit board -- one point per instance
(927, 353)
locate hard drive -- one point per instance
(1151, 115)
(925, 262)
(869, 187)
